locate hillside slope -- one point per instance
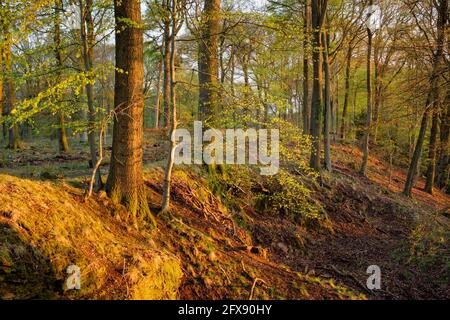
(210, 247)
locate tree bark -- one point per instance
(126, 181)
(306, 62)
(208, 62)
(327, 109)
(318, 14)
(158, 93)
(87, 40)
(347, 93)
(13, 132)
(166, 66)
(432, 147)
(443, 164)
(62, 136)
(173, 106)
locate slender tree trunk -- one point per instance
(2, 108)
(62, 136)
(443, 164)
(318, 14)
(13, 132)
(173, 128)
(208, 62)
(327, 109)
(126, 178)
(432, 95)
(87, 40)
(432, 147)
(369, 105)
(306, 62)
(166, 68)
(158, 93)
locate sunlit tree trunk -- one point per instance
(327, 110)
(165, 119)
(87, 41)
(126, 178)
(366, 140)
(13, 132)
(208, 62)
(306, 62)
(158, 94)
(173, 107)
(318, 14)
(62, 136)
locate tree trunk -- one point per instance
(166, 67)
(306, 55)
(432, 95)
(87, 40)
(327, 109)
(62, 136)
(347, 93)
(13, 132)
(208, 62)
(126, 181)
(158, 93)
(369, 105)
(2, 109)
(443, 164)
(173, 127)
(432, 147)
(318, 15)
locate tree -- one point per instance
(366, 140)
(173, 111)
(8, 82)
(327, 110)
(208, 64)
(432, 97)
(88, 41)
(306, 63)
(318, 10)
(125, 181)
(62, 136)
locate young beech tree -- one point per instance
(126, 181)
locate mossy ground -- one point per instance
(214, 243)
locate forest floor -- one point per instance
(204, 250)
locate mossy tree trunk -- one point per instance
(125, 181)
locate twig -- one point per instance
(254, 285)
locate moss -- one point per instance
(51, 226)
(158, 280)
